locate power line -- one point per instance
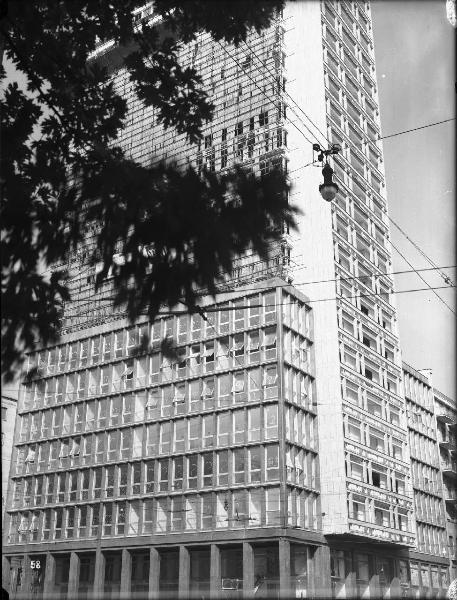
(264, 64)
(263, 92)
(231, 308)
(416, 128)
(259, 289)
(429, 260)
(433, 289)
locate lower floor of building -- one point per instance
(276, 567)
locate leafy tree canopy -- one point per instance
(59, 154)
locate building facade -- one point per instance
(272, 456)
(9, 407)
(446, 417)
(429, 560)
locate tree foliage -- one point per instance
(59, 125)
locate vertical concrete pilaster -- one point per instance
(49, 576)
(395, 588)
(73, 576)
(184, 573)
(6, 573)
(285, 590)
(99, 575)
(215, 572)
(154, 573)
(26, 581)
(126, 574)
(248, 570)
(375, 588)
(320, 572)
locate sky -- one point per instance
(415, 64)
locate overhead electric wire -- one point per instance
(384, 137)
(427, 258)
(274, 102)
(259, 289)
(274, 76)
(433, 289)
(229, 308)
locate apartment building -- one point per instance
(9, 406)
(446, 418)
(272, 456)
(429, 560)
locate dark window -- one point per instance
(251, 124)
(224, 134)
(376, 479)
(368, 374)
(364, 309)
(239, 128)
(263, 118)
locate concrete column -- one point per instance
(248, 570)
(49, 576)
(99, 574)
(284, 568)
(6, 573)
(73, 576)
(215, 572)
(154, 573)
(351, 585)
(126, 574)
(395, 588)
(26, 580)
(184, 573)
(375, 588)
(320, 581)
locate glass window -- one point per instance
(271, 421)
(207, 469)
(273, 515)
(208, 431)
(272, 462)
(239, 465)
(239, 427)
(223, 428)
(254, 424)
(163, 474)
(178, 470)
(194, 433)
(254, 464)
(222, 468)
(192, 471)
(353, 429)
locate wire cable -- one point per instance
(273, 75)
(384, 137)
(427, 258)
(294, 285)
(274, 102)
(433, 289)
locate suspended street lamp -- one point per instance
(329, 189)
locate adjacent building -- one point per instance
(429, 560)
(446, 417)
(272, 455)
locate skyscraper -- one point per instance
(273, 456)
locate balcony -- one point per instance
(446, 416)
(447, 443)
(449, 469)
(450, 497)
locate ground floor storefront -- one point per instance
(273, 567)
